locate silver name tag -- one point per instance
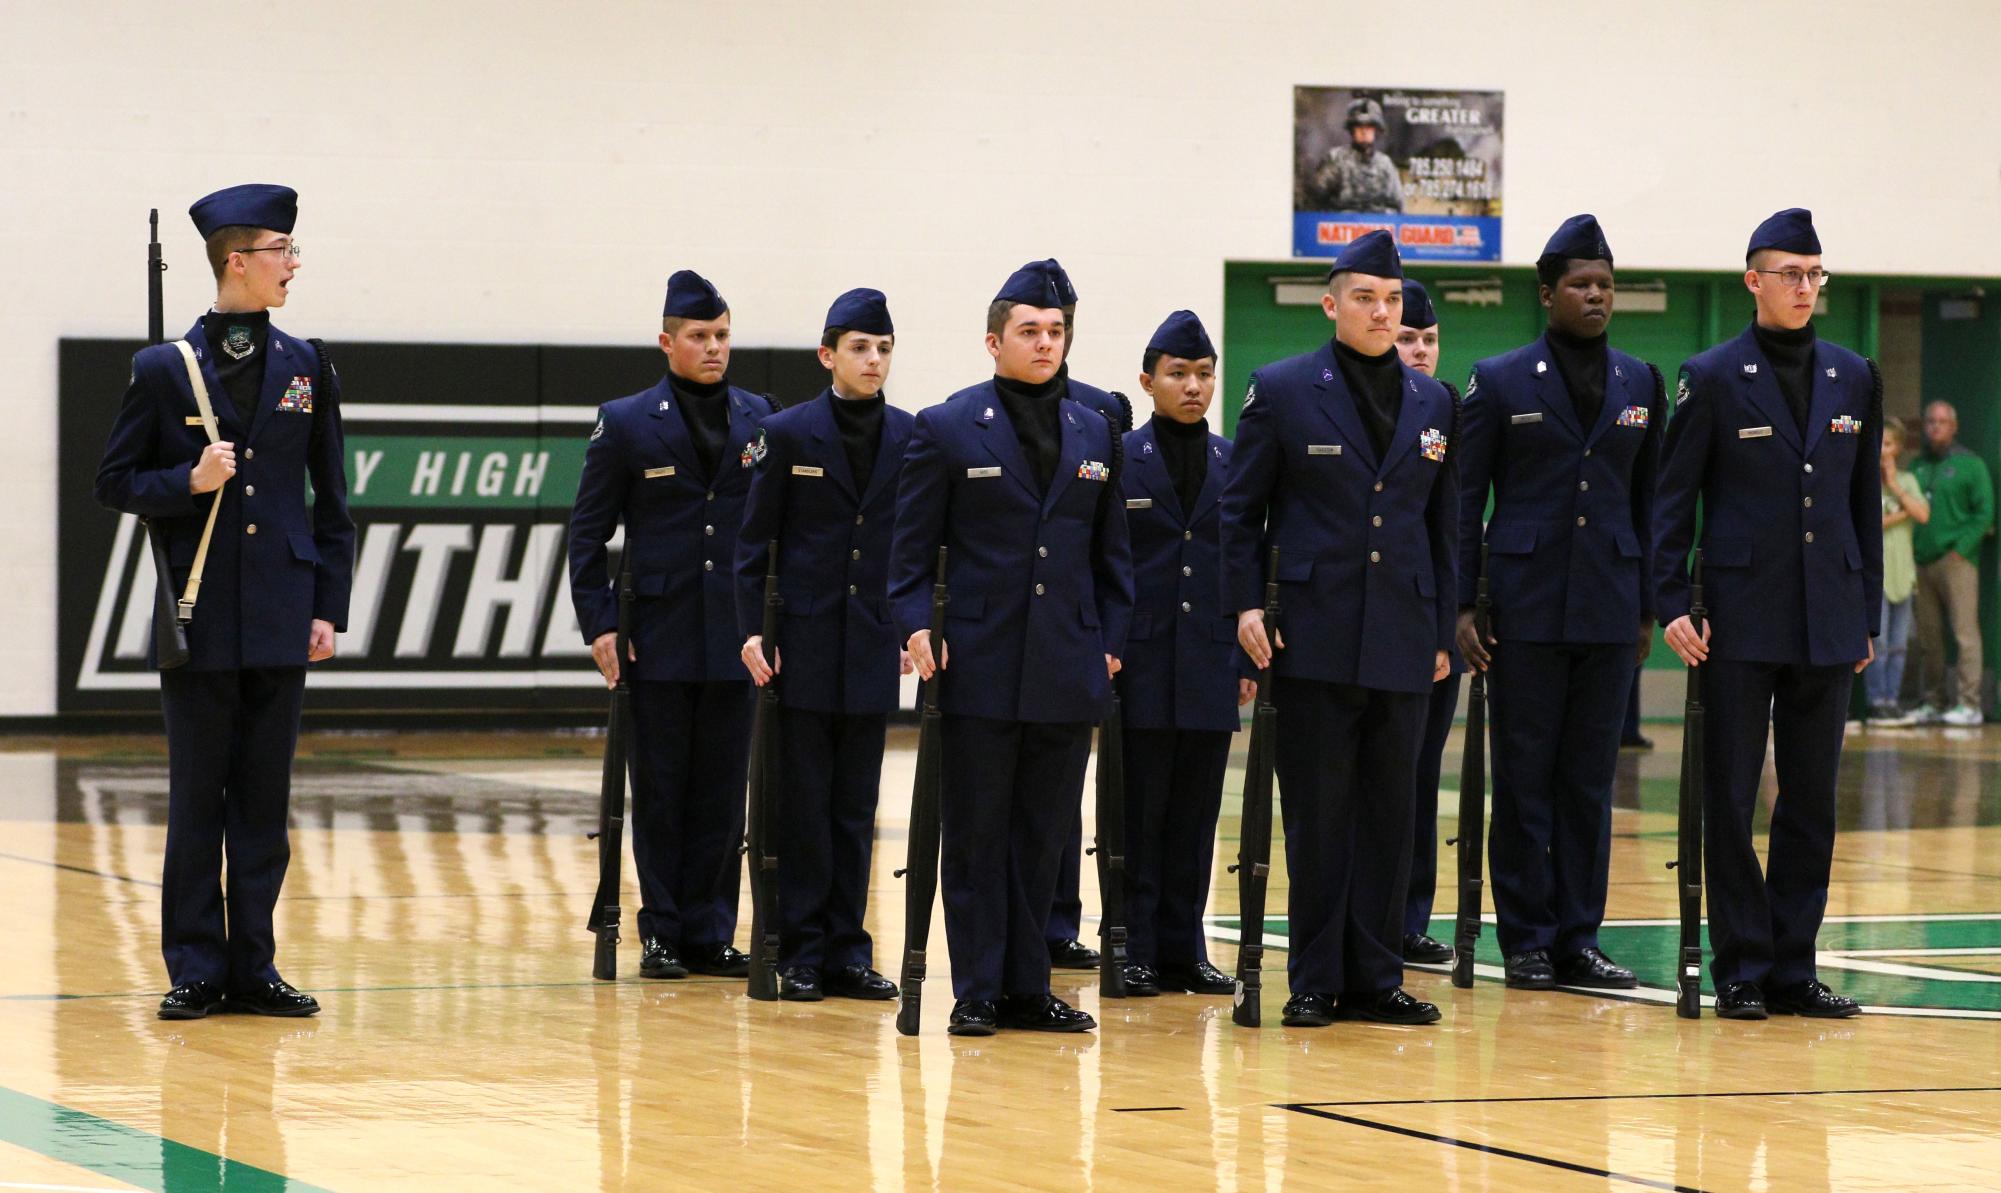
(973, 474)
(1139, 503)
(1323, 449)
(1755, 433)
(1520, 419)
(657, 473)
(808, 470)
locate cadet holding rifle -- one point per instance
(1342, 464)
(1779, 435)
(1018, 482)
(823, 488)
(215, 441)
(672, 463)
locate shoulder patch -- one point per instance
(1251, 394)
(1681, 389)
(597, 433)
(1472, 383)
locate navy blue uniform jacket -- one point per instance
(274, 565)
(680, 534)
(1041, 587)
(1182, 660)
(836, 643)
(1570, 541)
(1792, 536)
(1366, 546)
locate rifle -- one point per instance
(170, 633)
(1472, 838)
(1253, 866)
(610, 834)
(1688, 833)
(921, 864)
(1111, 851)
(764, 779)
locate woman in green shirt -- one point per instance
(1903, 505)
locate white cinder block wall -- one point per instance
(521, 172)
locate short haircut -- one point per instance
(1549, 271)
(831, 338)
(1949, 408)
(1001, 309)
(1152, 358)
(1893, 428)
(672, 324)
(230, 238)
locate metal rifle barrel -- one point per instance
(762, 982)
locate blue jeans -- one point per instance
(1885, 677)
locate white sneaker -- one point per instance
(1924, 714)
(1962, 714)
(1891, 718)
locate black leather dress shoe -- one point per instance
(1141, 980)
(191, 1000)
(1639, 741)
(1531, 971)
(859, 981)
(656, 960)
(974, 1017)
(1072, 954)
(718, 960)
(277, 998)
(1391, 1006)
(1740, 1000)
(1308, 1010)
(1424, 949)
(1202, 978)
(1042, 1012)
(1813, 1000)
(1591, 968)
(800, 983)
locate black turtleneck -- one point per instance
(705, 408)
(1790, 354)
(859, 421)
(236, 345)
(1377, 383)
(1184, 451)
(1580, 361)
(1032, 410)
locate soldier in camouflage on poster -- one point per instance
(1358, 176)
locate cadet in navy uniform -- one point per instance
(1183, 678)
(1066, 915)
(824, 486)
(1565, 430)
(1018, 481)
(1342, 464)
(673, 463)
(274, 593)
(1779, 434)
(1417, 344)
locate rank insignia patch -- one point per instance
(1633, 416)
(298, 396)
(1830, 374)
(1680, 391)
(597, 432)
(237, 342)
(1250, 395)
(1846, 425)
(1146, 449)
(1091, 470)
(1432, 444)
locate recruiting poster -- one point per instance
(1426, 165)
(462, 462)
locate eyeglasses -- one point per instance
(290, 248)
(1793, 277)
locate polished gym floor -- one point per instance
(436, 905)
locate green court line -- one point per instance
(123, 1153)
